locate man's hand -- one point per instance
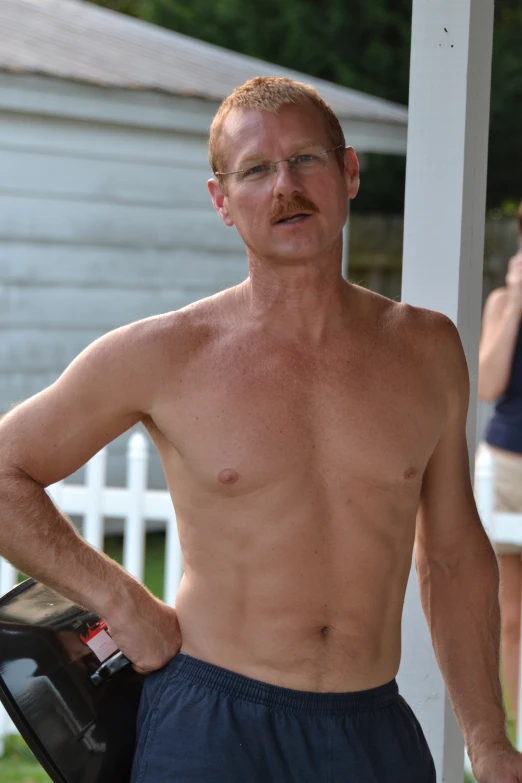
(148, 633)
(498, 764)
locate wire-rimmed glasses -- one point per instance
(309, 161)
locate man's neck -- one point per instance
(303, 302)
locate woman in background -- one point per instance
(500, 379)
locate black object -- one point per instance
(70, 692)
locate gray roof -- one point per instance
(72, 39)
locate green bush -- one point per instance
(18, 765)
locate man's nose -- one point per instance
(286, 179)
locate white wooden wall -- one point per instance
(104, 219)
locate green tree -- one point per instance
(505, 161)
(360, 44)
(129, 7)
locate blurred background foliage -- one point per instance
(363, 44)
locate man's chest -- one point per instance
(264, 419)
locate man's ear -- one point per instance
(220, 201)
(351, 172)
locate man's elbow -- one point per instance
(474, 547)
(12, 478)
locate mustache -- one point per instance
(298, 203)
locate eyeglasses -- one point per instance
(309, 161)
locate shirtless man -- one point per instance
(309, 430)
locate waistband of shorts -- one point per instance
(277, 698)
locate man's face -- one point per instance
(314, 196)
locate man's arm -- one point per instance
(458, 578)
(104, 392)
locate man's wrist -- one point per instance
(121, 597)
(487, 738)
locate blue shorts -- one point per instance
(199, 723)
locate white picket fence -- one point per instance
(139, 508)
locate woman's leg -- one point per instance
(510, 604)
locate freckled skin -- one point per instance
(295, 471)
(295, 443)
(296, 417)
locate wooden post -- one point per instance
(8, 576)
(485, 490)
(134, 535)
(95, 472)
(450, 80)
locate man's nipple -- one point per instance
(411, 473)
(228, 476)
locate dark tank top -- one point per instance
(505, 428)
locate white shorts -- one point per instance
(508, 488)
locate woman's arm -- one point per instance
(500, 327)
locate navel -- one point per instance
(228, 476)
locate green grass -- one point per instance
(18, 765)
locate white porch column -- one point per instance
(443, 258)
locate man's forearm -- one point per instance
(40, 541)
(460, 600)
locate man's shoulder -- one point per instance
(416, 324)
(192, 325)
(427, 325)
(429, 338)
(435, 345)
(423, 342)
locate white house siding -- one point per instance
(101, 223)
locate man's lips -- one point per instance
(294, 210)
(294, 217)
